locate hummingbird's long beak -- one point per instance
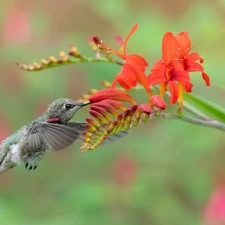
(85, 103)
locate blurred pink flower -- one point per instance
(125, 170)
(214, 213)
(16, 26)
(5, 131)
(4, 128)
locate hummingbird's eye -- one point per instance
(69, 106)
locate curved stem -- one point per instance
(75, 60)
(207, 123)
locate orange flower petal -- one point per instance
(133, 29)
(158, 66)
(206, 78)
(188, 86)
(193, 67)
(170, 47)
(156, 78)
(182, 76)
(137, 61)
(130, 74)
(194, 56)
(173, 92)
(127, 77)
(122, 82)
(185, 44)
(138, 65)
(142, 79)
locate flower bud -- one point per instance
(111, 93)
(156, 102)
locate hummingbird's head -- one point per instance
(63, 109)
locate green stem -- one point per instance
(82, 59)
(208, 123)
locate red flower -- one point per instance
(134, 67)
(174, 67)
(169, 71)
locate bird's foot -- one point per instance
(30, 167)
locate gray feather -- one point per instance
(56, 136)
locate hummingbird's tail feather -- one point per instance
(7, 157)
(4, 167)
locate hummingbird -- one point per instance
(51, 131)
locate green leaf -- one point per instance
(208, 108)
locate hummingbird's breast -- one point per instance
(14, 154)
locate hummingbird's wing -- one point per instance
(81, 127)
(59, 136)
(55, 136)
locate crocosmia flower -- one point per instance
(133, 70)
(169, 71)
(174, 67)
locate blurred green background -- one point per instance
(165, 171)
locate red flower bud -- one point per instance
(145, 109)
(111, 93)
(157, 102)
